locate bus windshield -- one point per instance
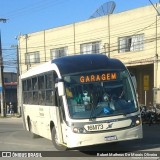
(95, 95)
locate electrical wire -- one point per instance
(84, 35)
(33, 8)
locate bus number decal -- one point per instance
(95, 127)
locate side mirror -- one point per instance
(61, 91)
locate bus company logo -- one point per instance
(109, 125)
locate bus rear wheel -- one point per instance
(55, 141)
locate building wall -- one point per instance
(106, 30)
(143, 90)
(133, 22)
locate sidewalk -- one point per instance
(9, 119)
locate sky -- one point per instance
(28, 16)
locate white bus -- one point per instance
(81, 100)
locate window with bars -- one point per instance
(131, 43)
(32, 57)
(58, 52)
(88, 48)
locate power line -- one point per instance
(154, 7)
(81, 36)
(133, 32)
(34, 8)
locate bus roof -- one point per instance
(76, 64)
(86, 62)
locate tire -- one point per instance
(30, 130)
(55, 141)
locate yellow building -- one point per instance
(132, 36)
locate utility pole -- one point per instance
(2, 99)
(18, 73)
(109, 36)
(18, 86)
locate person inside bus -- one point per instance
(69, 92)
(114, 98)
(73, 93)
(86, 100)
(71, 100)
(118, 99)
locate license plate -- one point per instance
(94, 127)
(110, 138)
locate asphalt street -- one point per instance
(14, 138)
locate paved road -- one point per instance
(14, 138)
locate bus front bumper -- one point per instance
(79, 140)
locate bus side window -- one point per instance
(35, 97)
(29, 87)
(49, 80)
(49, 88)
(34, 83)
(29, 92)
(25, 93)
(55, 90)
(41, 92)
(35, 90)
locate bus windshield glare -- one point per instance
(100, 94)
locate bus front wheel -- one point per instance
(30, 129)
(55, 141)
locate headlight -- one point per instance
(75, 130)
(136, 121)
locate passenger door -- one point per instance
(61, 114)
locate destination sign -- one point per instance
(98, 77)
